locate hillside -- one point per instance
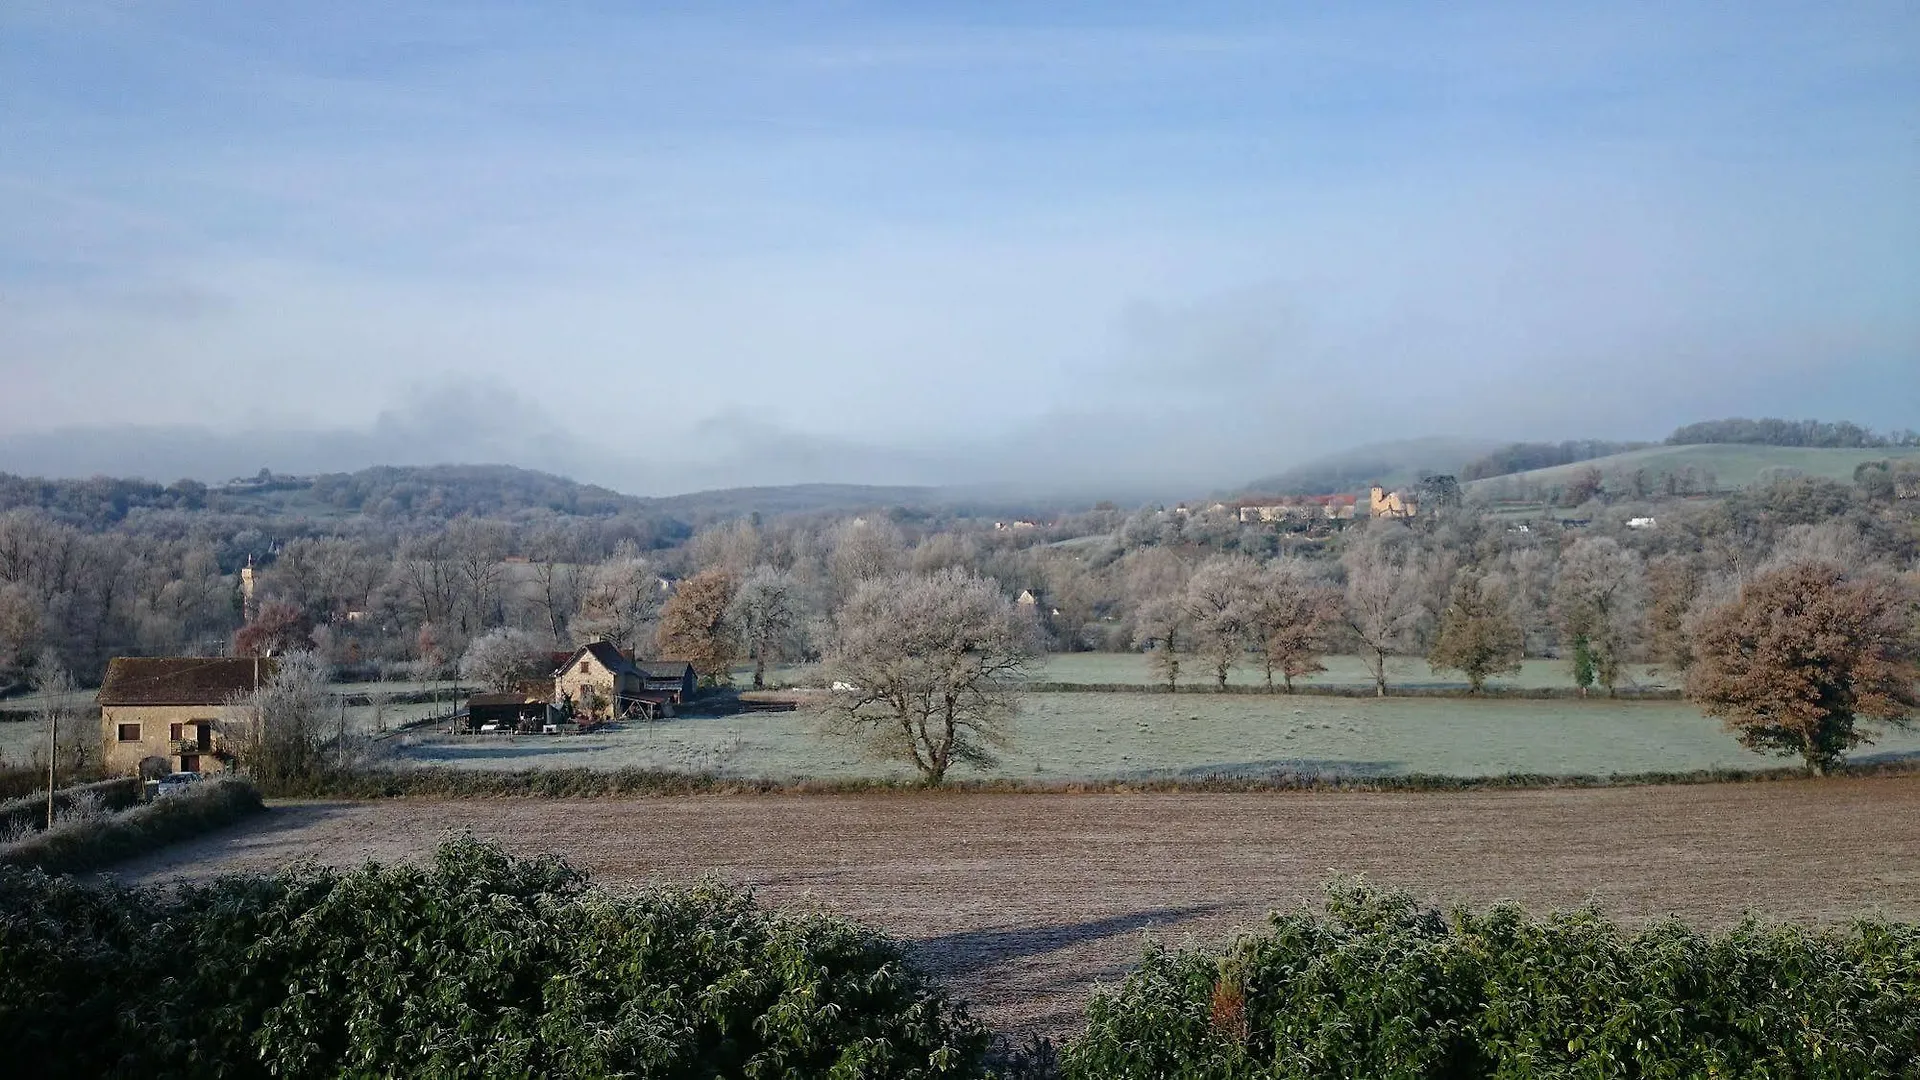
(1730, 465)
(1398, 463)
(443, 492)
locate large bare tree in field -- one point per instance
(766, 613)
(1219, 601)
(1384, 589)
(1802, 654)
(929, 668)
(1289, 614)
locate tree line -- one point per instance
(1772, 431)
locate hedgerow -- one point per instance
(30, 811)
(478, 964)
(1380, 986)
(579, 783)
(91, 841)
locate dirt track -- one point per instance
(1022, 902)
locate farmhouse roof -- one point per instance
(181, 680)
(610, 658)
(663, 669)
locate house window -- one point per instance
(129, 732)
(586, 667)
(189, 763)
(173, 731)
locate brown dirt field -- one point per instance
(1020, 903)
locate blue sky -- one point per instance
(730, 243)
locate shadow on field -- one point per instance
(1885, 757)
(970, 951)
(273, 829)
(1244, 770)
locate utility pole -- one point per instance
(53, 750)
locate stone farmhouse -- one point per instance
(600, 682)
(169, 714)
(1307, 508)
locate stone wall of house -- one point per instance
(123, 756)
(589, 674)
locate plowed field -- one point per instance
(1022, 902)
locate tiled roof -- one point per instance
(181, 680)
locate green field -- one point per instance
(1089, 736)
(1733, 465)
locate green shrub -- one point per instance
(478, 964)
(94, 841)
(1378, 986)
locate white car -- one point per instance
(174, 783)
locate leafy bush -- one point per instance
(92, 840)
(478, 964)
(1380, 987)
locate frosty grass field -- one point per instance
(1089, 736)
(1121, 735)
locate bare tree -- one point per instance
(477, 548)
(1384, 585)
(863, 549)
(278, 729)
(734, 547)
(619, 604)
(1160, 628)
(1219, 602)
(503, 658)
(929, 668)
(1802, 654)
(556, 580)
(1157, 585)
(68, 748)
(1289, 616)
(766, 613)
(1598, 599)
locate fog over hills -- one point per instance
(1131, 252)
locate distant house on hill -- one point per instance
(1391, 504)
(1308, 508)
(168, 714)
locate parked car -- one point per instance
(174, 783)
